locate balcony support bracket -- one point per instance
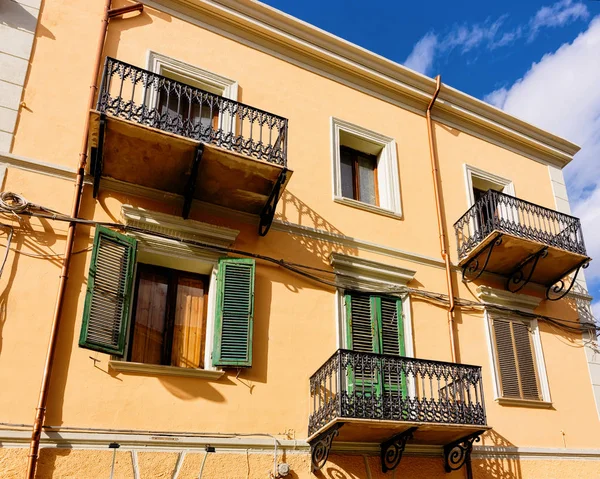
(518, 278)
(97, 156)
(191, 184)
(458, 453)
(557, 290)
(268, 211)
(392, 449)
(473, 269)
(321, 445)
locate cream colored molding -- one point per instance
(524, 403)
(36, 166)
(473, 172)
(175, 226)
(355, 272)
(286, 37)
(387, 166)
(160, 370)
(168, 441)
(501, 297)
(161, 64)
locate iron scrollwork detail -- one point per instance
(392, 450)
(321, 445)
(472, 270)
(458, 453)
(268, 212)
(559, 289)
(518, 279)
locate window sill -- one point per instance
(159, 370)
(367, 207)
(524, 403)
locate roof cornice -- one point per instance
(271, 29)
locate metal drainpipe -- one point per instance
(36, 432)
(441, 227)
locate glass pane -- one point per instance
(366, 180)
(188, 328)
(150, 317)
(347, 177)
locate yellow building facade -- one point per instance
(252, 213)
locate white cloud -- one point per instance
(557, 15)
(489, 34)
(421, 57)
(560, 93)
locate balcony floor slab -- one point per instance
(149, 157)
(376, 431)
(513, 250)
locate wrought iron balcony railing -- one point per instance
(496, 211)
(356, 385)
(150, 99)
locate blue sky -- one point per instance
(538, 60)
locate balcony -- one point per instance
(522, 242)
(390, 400)
(158, 133)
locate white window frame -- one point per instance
(209, 81)
(176, 255)
(526, 304)
(506, 185)
(388, 179)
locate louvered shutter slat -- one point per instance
(527, 372)
(235, 310)
(360, 324)
(106, 310)
(516, 362)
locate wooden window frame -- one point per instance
(534, 357)
(355, 176)
(173, 275)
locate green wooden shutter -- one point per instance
(235, 311)
(108, 295)
(360, 323)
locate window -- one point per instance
(359, 176)
(169, 317)
(191, 113)
(516, 362)
(170, 310)
(365, 169)
(374, 324)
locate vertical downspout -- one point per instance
(441, 227)
(36, 432)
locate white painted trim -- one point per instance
(387, 168)
(173, 441)
(271, 31)
(359, 272)
(211, 312)
(472, 171)
(153, 221)
(523, 302)
(341, 332)
(540, 362)
(195, 76)
(161, 370)
(161, 64)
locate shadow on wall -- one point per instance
(295, 211)
(497, 467)
(38, 241)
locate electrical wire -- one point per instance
(202, 467)
(20, 206)
(8, 242)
